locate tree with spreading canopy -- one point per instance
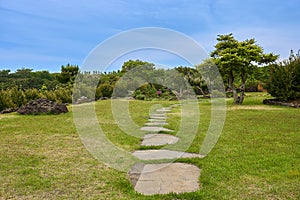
(237, 61)
(133, 64)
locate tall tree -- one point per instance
(4, 73)
(238, 60)
(68, 73)
(132, 64)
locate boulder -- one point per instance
(294, 103)
(8, 110)
(41, 106)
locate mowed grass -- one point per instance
(256, 157)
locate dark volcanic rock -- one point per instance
(294, 104)
(8, 110)
(41, 106)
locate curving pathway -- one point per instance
(163, 178)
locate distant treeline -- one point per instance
(17, 88)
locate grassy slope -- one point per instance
(256, 157)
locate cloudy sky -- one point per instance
(43, 35)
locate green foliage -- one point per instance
(17, 96)
(68, 74)
(63, 94)
(5, 100)
(145, 92)
(12, 98)
(50, 95)
(26, 78)
(133, 64)
(193, 77)
(32, 94)
(284, 82)
(4, 73)
(238, 59)
(104, 90)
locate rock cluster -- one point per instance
(8, 110)
(294, 104)
(41, 106)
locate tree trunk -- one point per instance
(231, 86)
(243, 85)
(204, 96)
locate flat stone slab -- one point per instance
(156, 120)
(163, 110)
(174, 105)
(155, 129)
(166, 178)
(163, 154)
(157, 115)
(158, 139)
(156, 123)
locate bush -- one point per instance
(5, 100)
(17, 96)
(104, 90)
(284, 81)
(63, 95)
(140, 97)
(50, 95)
(32, 94)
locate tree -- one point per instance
(238, 60)
(104, 90)
(68, 74)
(132, 64)
(23, 73)
(194, 78)
(4, 73)
(284, 82)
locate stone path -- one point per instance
(156, 123)
(163, 154)
(155, 129)
(158, 139)
(164, 178)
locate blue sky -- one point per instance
(43, 35)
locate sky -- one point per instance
(44, 35)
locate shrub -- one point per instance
(32, 94)
(17, 96)
(5, 100)
(63, 95)
(284, 81)
(104, 90)
(50, 95)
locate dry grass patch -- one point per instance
(254, 107)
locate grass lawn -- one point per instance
(256, 157)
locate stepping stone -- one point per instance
(164, 110)
(174, 105)
(156, 123)
(159, 139)
(155, 129)
(156, 120)
(165, 178)
(163, 154)
(158, 117)
(135, 172)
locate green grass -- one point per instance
(256, 157)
